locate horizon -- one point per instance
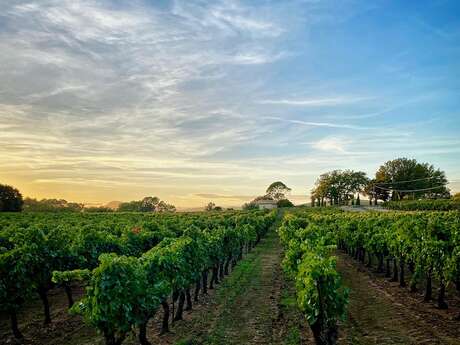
(198, 101)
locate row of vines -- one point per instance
(308, 260)
(132, 264)
(424, 205)
(427, 244)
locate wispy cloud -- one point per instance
(314, 102)
(317, 124)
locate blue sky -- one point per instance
(213, 100)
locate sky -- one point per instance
(196, 101)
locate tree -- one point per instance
(284, 203)
(210, 206)
(250, 206)
(339, 187)
(406, 178)
(165, 207)
(277, 190)
(375, 193)
(10, 199)
(131, 206)
(147, 204)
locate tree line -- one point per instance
(11, 200)
(398, 179)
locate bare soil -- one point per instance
(380, 312)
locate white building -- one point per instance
(266, 204)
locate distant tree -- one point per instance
(284, 203)
(147, 204)
(456, 197)
(51, 205)
(338, 186)
(277, 190)
(75, 206)
(130, 206)
(218, 208)
(313, 199)
(10, 199)
(250, 206)
(165, 207)
(374, 193)
(210, 206)
(405, 178)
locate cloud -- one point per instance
(332, 144)
(317, 124)
(230, 17)
(314, 102)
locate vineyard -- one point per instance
(139, 267)
(424, 205)
(131, 263)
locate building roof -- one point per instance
(266, 202)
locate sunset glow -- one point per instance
(194, 101)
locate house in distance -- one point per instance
(266, 204)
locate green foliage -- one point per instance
(309, 240)
(147, 204)
(408, 174)
(15, 284)
(319, 289)
(277, 191)
(429, 240)
(10, 199)
(63, 277)
(250, 206)
(424, 205)
(338, 187)
(152, 255)
(117, 292)
(284, 203)
(51, 205)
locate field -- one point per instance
(292, 276)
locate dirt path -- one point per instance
(254, 305)
(251, 296)
(382, 313)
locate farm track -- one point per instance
(382, 313)
(245, 308)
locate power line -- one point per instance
(419, 179)
(409, 190)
